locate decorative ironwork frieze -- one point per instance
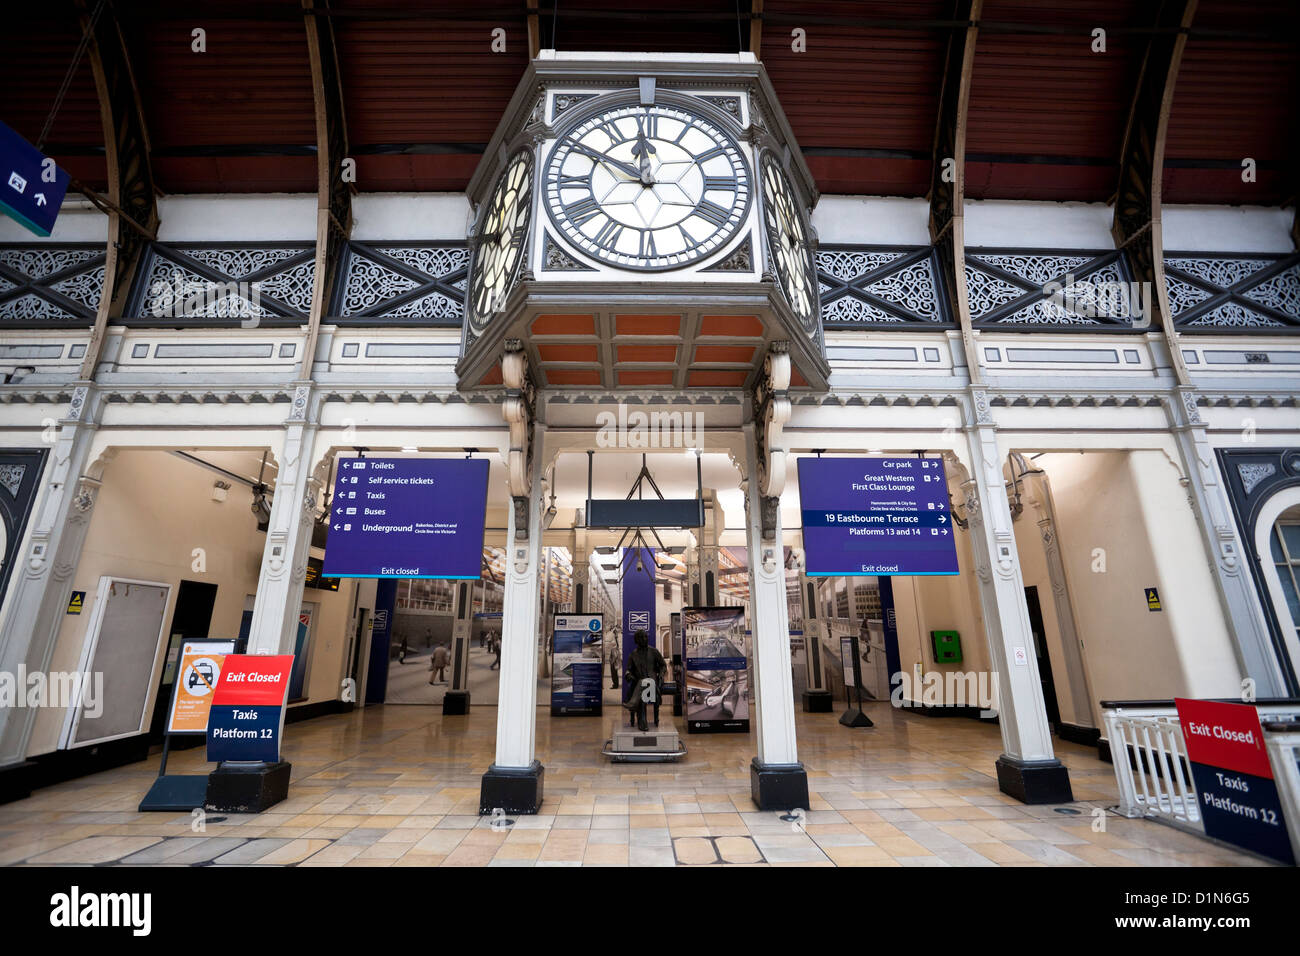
(50, 285)
(1067, 289)
(402, 284)
(872, 287)
(215, 283)
(741, 259)
(562, 102)
(555, 259)
(1224, 291)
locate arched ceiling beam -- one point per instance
(1136, 225)
(948, 171)
(131, 202)
(333, 191)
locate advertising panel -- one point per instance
(717, 669)
(577, 664)
(876, 516)
(407, 518)
(200, 668)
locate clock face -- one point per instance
(647, 187)
(499, 250)
(787, 239)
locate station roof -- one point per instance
(423, 90)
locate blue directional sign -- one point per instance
(876, 516)
(31, 186)
(407, 518)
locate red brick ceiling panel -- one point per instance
(666, 26)
(238, 117)
(35, 52)
(1236, 99)
(424, 93)
(862, 99)
(1047, 114)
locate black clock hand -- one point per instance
(642, 151)
(608, 161)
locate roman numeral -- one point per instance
(710, 153)
(583, 210)
(572, 182)
(609, 233)
(648, 250)
(648, 124)
(712, 212)
(719, 182)
(610, 130)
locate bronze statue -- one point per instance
(645, 665)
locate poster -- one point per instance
(1234, 780)
(407, 518)
(876, 516)
(717, 669)
(200, 668)
(577, 664)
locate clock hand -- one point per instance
(642, 151)
(604, 160)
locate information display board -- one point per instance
(876, 516)
(247, 716)
(849, 660)
(200, 668)
(1234, 779)
(407, 518)
(577, 664)
(716, 655)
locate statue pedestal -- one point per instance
(653, 745)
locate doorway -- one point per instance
(1044, 661)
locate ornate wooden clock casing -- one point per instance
(643, 223)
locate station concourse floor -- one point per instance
(399, 786)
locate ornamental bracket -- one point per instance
(771, 412)
(519, 409)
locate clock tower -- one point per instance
(642, 221)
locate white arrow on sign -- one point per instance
(336, 527)
(942, 519)
(40, 199)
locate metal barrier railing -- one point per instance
(1154, 775)
(1282, 738)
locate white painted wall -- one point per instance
(234, 218)
(401, 216)
(1227, 228)
(1038, 225)
(866, 220)
(1132, 506)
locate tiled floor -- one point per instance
(399, 786)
